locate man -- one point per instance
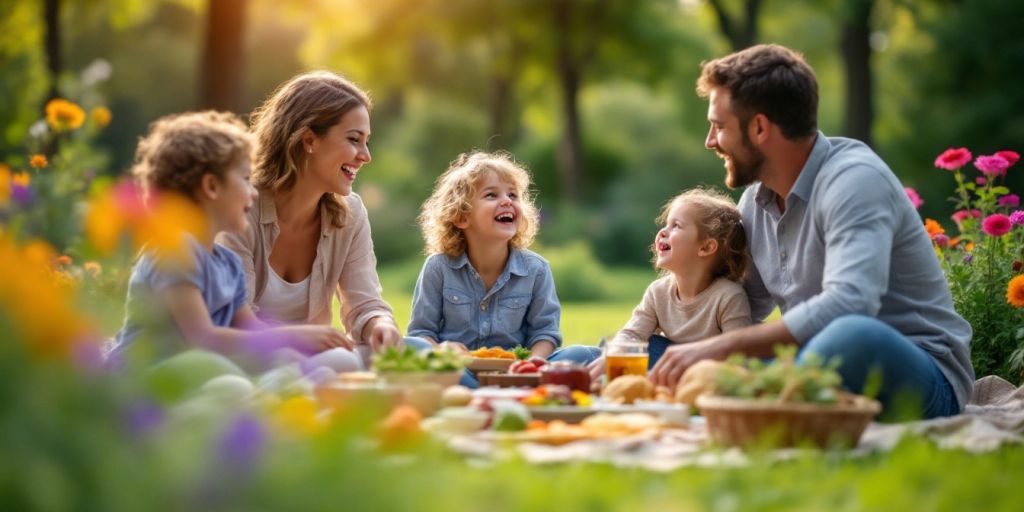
(836, 245)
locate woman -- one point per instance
(309, 236)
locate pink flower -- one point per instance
(1010, 200)
(980, 180)
(915, 199)
(1011, 157)
(940, 240)
(1017, 217)
(953, 159)
(960, 216)
(996, 224)
(992, 165)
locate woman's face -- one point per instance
(334, 159)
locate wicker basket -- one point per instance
(741, 422)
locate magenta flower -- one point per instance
(1017, 217)
(960, 216)
(1011, 157)
(996, 224)
(915, 199)
(1010, 200)
(992, 165)
(953, 159)
(980, 180)
(940, 239)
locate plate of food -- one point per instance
(508, 380)
(494, 358)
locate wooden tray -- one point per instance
(508, 380)
(487, 364)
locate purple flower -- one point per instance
(915, 198)
(1017, 217)
(1010, 200)
(968, 257)
(142, 418)
(940, 240)
(22, 194)
(992, 165)
(243, 442)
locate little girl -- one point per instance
(480, 286)
(702, 252)
(198, 299)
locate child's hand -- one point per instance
(596, 369)
(312, 339)
(453, 345)
(381, 333)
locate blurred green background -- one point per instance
(596, 97)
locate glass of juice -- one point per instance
(625, 355)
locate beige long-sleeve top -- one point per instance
(345, 264)
(722, 306)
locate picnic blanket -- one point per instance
(993, 417)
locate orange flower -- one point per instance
(64, 115)
(5, 184)
(21, 179)
(969, 247)
(100, 116)
(93, 268)
(933, 228)
(1015, 292)
(62, 260)
(38, 161)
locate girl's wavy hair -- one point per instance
(180, 148)
(453, 195)
(718, 219)
(316, 100)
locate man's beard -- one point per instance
(744, 172)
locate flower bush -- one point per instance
(983, 261)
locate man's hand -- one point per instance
(596, 369)
(678, 358)
(381, 332)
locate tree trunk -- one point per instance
(740, 33)
(570, 149)
(54, 59)
(856, 49)
(501, 93)
(223, 68)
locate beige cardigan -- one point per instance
(344, 265)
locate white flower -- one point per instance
(39, 129)
(96, 72)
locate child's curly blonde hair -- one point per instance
(453, 195)
(180, 148)
(718, 219)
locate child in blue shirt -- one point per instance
(194, 295)
(480, 286)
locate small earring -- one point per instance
(309, 150)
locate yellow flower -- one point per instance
(38, 161)
(300, 415)
(104, 223)
(100, 116)
(64, 115)
(5, 184)
(1015, 292)
(21, 179)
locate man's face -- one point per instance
(728, 137)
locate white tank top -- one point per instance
(284, 302)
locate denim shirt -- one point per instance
(850, 242)
(451, 304)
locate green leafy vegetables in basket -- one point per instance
(781, 379)
(405, 360)
(521, 353)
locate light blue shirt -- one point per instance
(450, 303)
(850, 242)
(217, 274)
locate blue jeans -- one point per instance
(581, 354)
(912, 386)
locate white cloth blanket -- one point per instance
(993, 417)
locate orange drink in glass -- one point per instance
(625, 355)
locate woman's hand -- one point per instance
(381, 332)
(313, 339)
(678, 358)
